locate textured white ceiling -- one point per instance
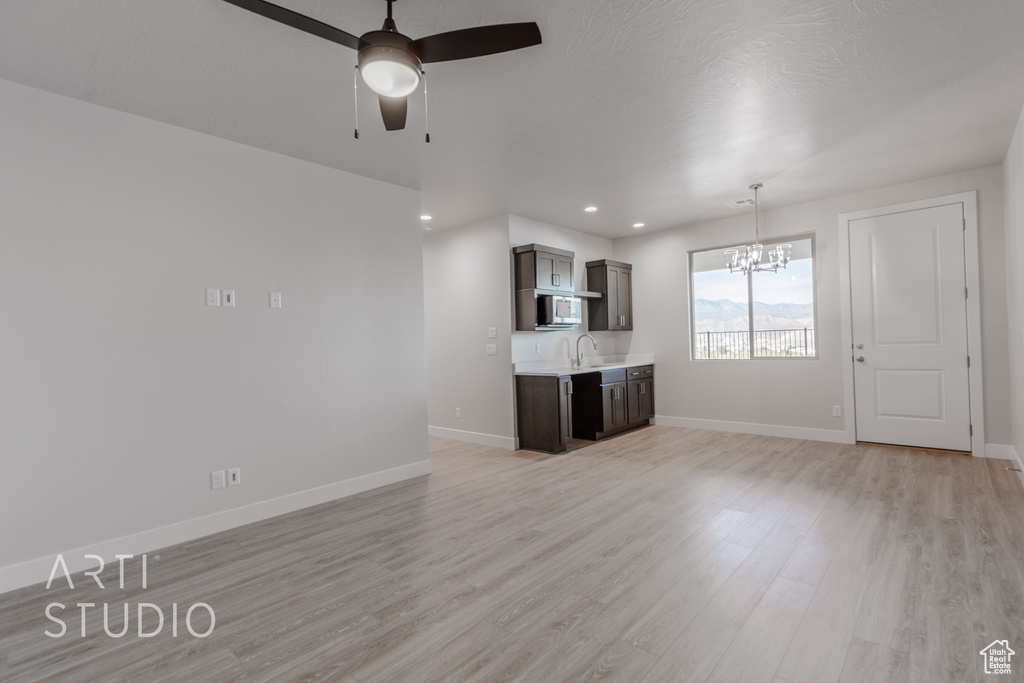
(661, 111)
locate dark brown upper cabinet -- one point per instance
(614, 310)
(540, 267)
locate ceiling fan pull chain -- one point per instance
(355, 87)
(426, 117)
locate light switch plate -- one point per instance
(228, 298)
(234, 476)
(492, 332)
(492, 349)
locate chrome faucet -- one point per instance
(579, 354)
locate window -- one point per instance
(775, 310)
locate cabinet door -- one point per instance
(614, 405)
(624, 299)
(564, 410)
(563, 273)
(612, 296)
(546, 273)
(647, 399)
(633, 402)
(641, 400)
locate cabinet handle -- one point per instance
(568, 387)
(556, 280)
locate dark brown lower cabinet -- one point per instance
(640, 400)
(544, 410)
(610, 402)
(550, 411)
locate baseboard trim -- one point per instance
(1001, 452)
(830, 435)
(493, 440)
(38, 570)
(1006, 452)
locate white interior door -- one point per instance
(909, 315)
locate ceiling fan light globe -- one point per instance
(390, 79)
(389, 71)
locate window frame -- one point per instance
(750, 299)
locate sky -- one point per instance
(793, 285)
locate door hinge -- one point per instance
(968, 361)
(972, 430)
(966, 293)
(965, 223)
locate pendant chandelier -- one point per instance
(748, 259)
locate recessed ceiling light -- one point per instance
(425, 217)
(428, 228)
(638, 225)
(590, 209)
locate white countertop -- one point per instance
(598, 364)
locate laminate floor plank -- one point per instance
(691, 658)
(765, 637)
(664, 554)
(821, 642)
(868, 662)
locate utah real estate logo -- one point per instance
(997, 657)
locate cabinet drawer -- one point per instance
(611, 376)
(640, 372)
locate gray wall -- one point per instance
(1014, 170)
(466, 288)
(121, 391)
(798, 394)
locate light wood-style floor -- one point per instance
(666, 554)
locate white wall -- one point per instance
(1014, 179)
(466, 288)
(120, 391)
(560, 346)
(798, 394)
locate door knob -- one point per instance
(860, 359)
(860, 346)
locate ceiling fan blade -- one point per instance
(299, 21)
(476, 42)
(393, 110)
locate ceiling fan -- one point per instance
(391, 63)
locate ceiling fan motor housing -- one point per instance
(388, 64)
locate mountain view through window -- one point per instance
(761, 315)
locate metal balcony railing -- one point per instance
(797, 342)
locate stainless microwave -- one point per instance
(559, 311)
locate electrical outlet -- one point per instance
(217, 479)
(492, 332)
(458, 412)
(228, 297)
(837, 411)
(275, 299)
(492, 349)
(234, 476)
(213, 297)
